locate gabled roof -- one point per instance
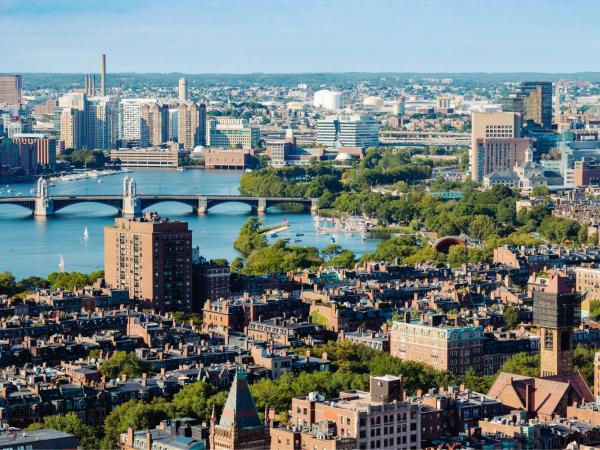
(547, 392)
(240, 410)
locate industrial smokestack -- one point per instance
(103, 75)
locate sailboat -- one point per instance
(61, 264)
(86, 235)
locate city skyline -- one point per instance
(285, 37)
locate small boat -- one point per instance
(180, 169)
(61, 263)
(99, 180)
(274, 235)
(297, 240)
(299, 234)
(86, 235)
(285, 239)
(332, 239)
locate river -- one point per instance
(34, 246)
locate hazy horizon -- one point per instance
(311, 36)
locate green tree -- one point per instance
(523, 364)
(135, 414)
(331, 250)
(70, 423)
(583, 362)
(511, 317)
(237, 264)
(250, 238)
(193, 401)
(458, 255)
(346, 259)
(121, 363)
(8, 284)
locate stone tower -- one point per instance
(556, 310)
(239, 426)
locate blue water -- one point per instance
(34, 246)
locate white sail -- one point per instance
(86, 235)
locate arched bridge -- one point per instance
(131, 203)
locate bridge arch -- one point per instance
(62, 204)
(444, 243)
(149, 202)
(23, 204)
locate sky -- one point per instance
(287, 36)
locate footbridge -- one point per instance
(130, 203)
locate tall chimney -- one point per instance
(103, 75)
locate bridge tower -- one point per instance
(132, 205)
(44, 206)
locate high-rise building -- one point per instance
(399, 107)
(154, 124)
(151, 257)
(556, 311)
(183, 90)
(172, 135)
(45, 147)
(191, 119)
(101, 122)
(239, 426)
(533, 101)
(11, 89)
(130, 119)
(71, 128)
(351, 131)
(230, 132)
(499, 125)
(500, 154)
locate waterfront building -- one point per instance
(151, 257)
(349, 131)
(45, 147)
(455, 349)
(191, 129)
(154, 124)
(71, 128)
(11, 89)
(239, 159)
(239, 425)
(101, 122)
(160, 156)
(502, 125)
(379, 418)
(173, 124)
(130, 119)
(229, 132)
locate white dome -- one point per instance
(198, 149)
(344, 157)
(373, 101)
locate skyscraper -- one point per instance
(500, 125)
(556, 310)
(191, 130)
(11, 89)
(151, 257)
(183, 90)
(154, 124)
(130, 119)
(71, 128)
(533, 100)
